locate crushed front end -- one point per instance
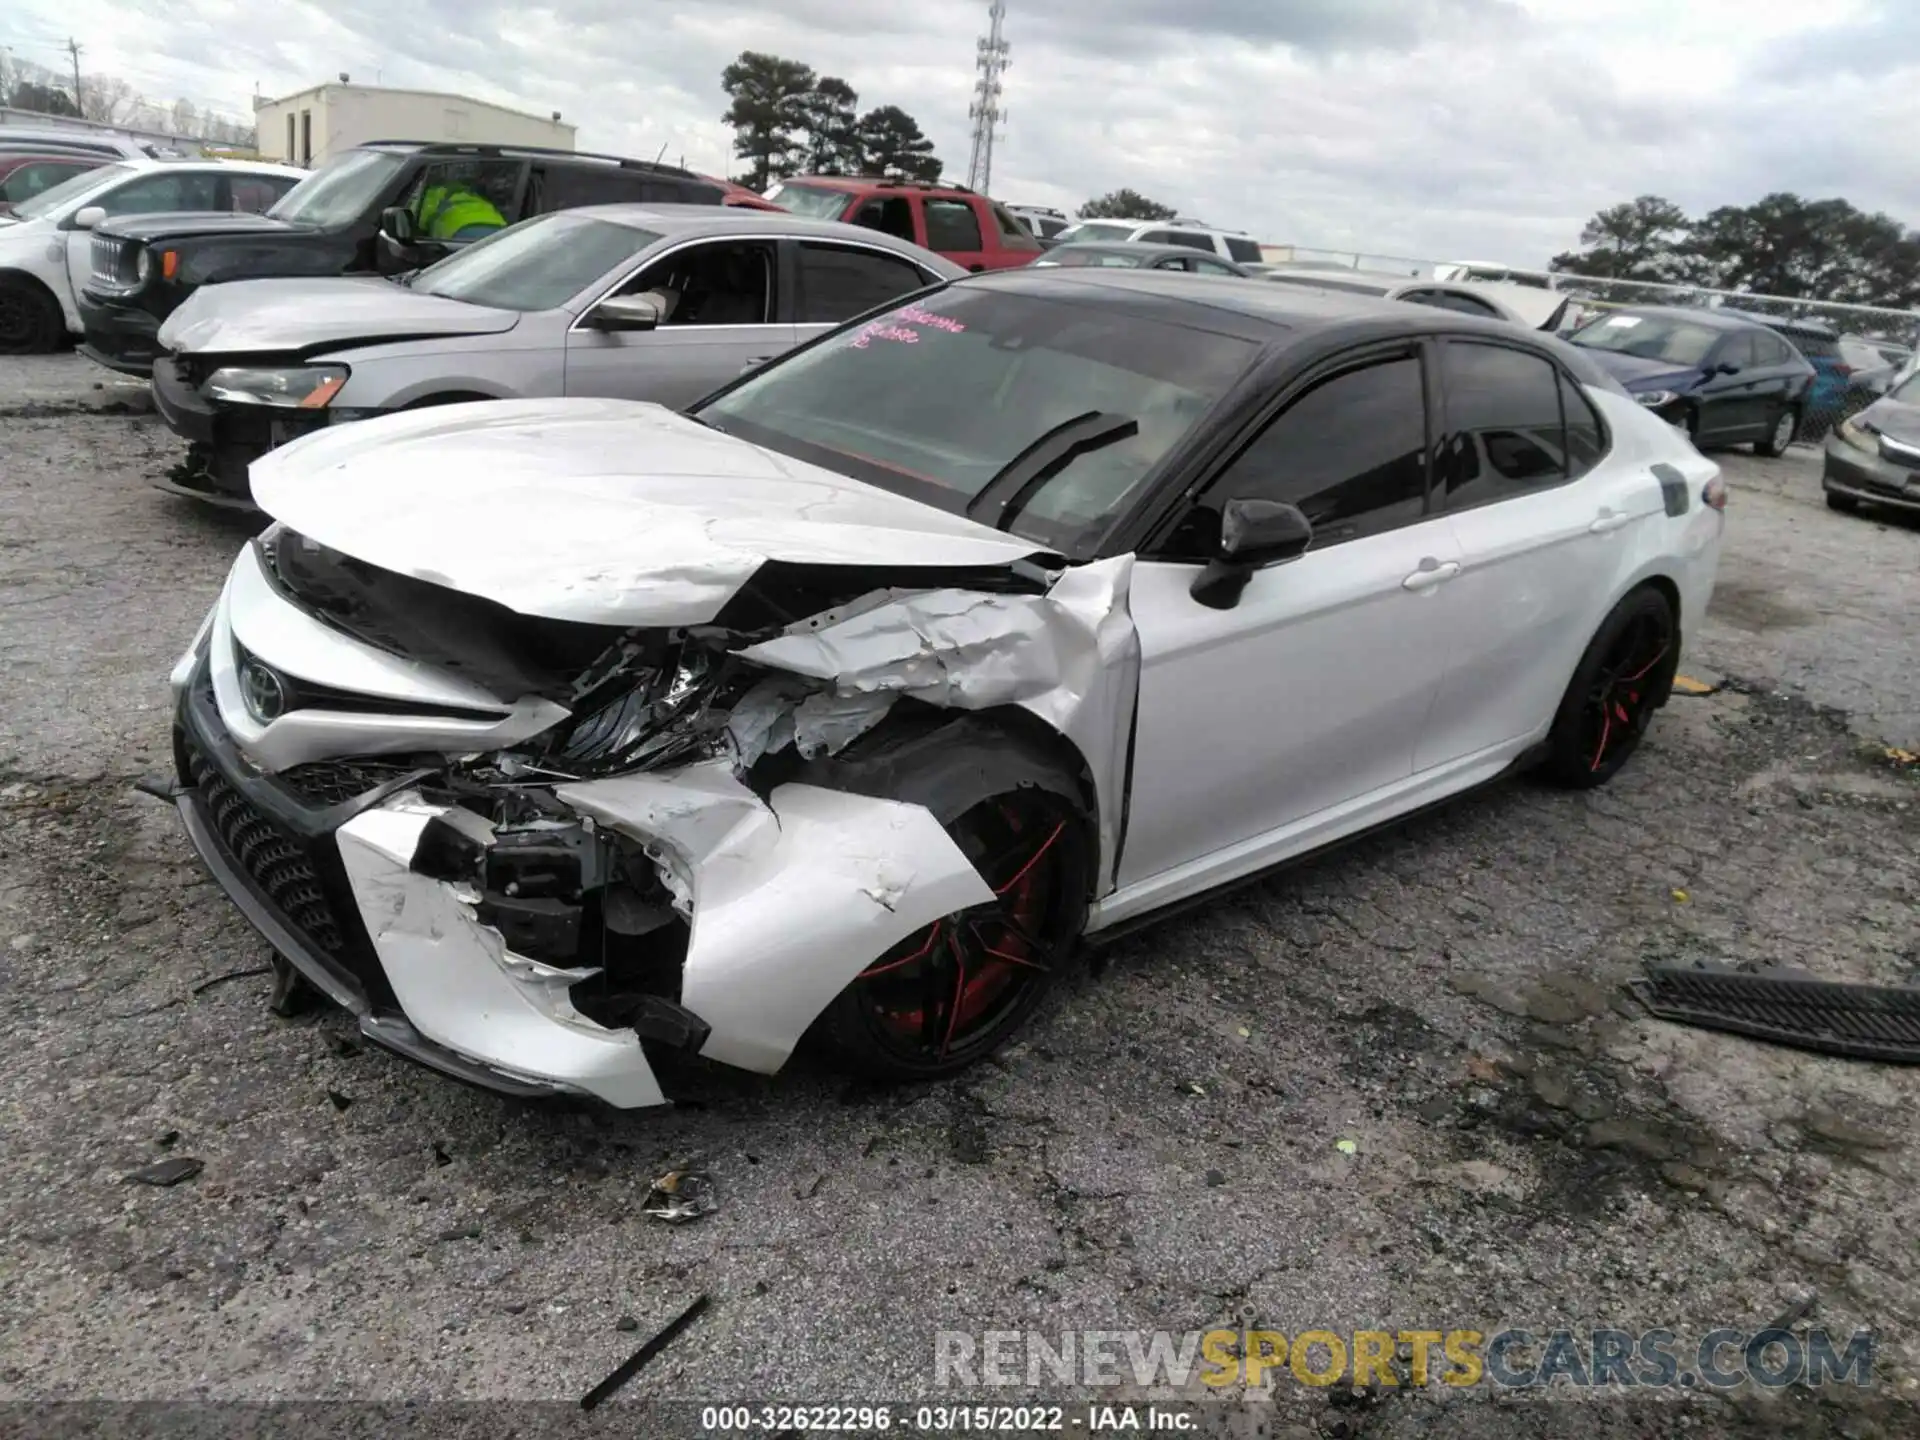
(536, 854)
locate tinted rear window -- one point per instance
(1247, 252)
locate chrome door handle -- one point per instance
(1428, 576)
(1608, 522)
(753, 361)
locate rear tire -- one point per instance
(30, 319)
(950, 994)
(1845, 504)
(1786, 426)
(1625, 675)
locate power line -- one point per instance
(990, 59)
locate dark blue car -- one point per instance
(1722, 378)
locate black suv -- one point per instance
(357, 213)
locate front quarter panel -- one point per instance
(526, 362)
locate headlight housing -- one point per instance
(289, 387)
(1858, 434)
(1654, 399)
(142, 265)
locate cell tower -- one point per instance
(991, 61)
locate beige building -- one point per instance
(306, 128)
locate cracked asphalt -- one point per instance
(1160, 1152)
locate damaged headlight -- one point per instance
(1859, 433)
(639, 711)
(291, 387)
(1654, 399)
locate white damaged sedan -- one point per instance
(554, 737)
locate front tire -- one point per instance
(1785, 426)
(30, 319)
(1625, 675)
(950, 994)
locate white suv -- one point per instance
(1195, 234)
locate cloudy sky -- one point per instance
(1464, 129)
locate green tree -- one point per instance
(1643, 239)
(828, 116)
(891, 144)
(1126, 204)
(1810, 249)
(767, 114)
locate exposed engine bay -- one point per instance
(654, 851)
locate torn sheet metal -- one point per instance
(253, 614)
(791, 898)
(1070, 656)
(459, 984)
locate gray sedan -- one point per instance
(660, 303)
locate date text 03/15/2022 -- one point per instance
(945, 1419)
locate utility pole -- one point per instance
(990, 59)
(74, 50)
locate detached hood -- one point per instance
(602, 511)
(1637, 372)
(323, 313)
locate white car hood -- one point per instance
(245, 316)
(602, 511)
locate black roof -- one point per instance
(1280, 317)
(456, 148)
(1139, 249)
(1712, 319)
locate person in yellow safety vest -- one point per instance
(456, 212)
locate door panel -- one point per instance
(1725, 400)
(1311, 691)
(1539, 551)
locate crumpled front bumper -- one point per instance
(788, 898)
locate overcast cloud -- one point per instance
(1465, 129)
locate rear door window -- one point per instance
(838, 282)
(256, 194)
(890, 215)
(951, 225)
(1192, 239)
(1505, 433)
(564, 187)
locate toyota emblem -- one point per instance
(263, 691)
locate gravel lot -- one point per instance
(1160, 1153)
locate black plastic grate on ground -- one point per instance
(278, 863)
(1862, 1022)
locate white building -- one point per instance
(306, 128)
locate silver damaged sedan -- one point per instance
(557, 738)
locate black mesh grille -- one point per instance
(279, 864)
(334, 782)
(1868, 1022)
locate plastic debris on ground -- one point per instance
(167, 1172)
(1346, 1147)
(681, 1195)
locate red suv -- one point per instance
(949, 220)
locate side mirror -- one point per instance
(396, 223)
(1723, 368)
(626, 312)
(1253, 534)
(89, 216)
